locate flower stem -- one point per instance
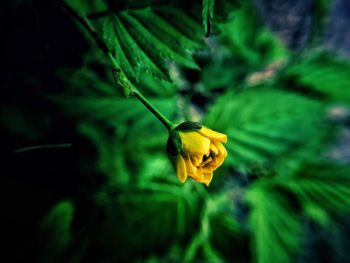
(155, 112)
(100, 43)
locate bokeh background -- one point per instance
(84, 173)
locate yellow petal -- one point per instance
(219, 159)
(209, 168)
(198, 175)
(214, 162)
(191, 170)
(221, 148)
(193, 143)
(213, 135)
(196, 160)
(214, 149)
(181, 169)
(207, 178)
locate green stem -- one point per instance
(155, 112)
(89, 28)
(145, 101)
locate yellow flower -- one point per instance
(196, 151)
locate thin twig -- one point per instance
(41, 147)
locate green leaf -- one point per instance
(249, 40)
(266, 125)
(117, 112)
(223, 74)
(121, 130)
(322, 188)
(325, 75)
(145, 40)
(274, 225)
(207, 15)
(84, 7)
(224, 230)
(160, 211)
(135, 131)
(110, 158)
(55, 231)
(86, 81)
(217, 225)
(152, 87)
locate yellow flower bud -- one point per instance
(196, 151)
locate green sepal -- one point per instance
(174, 144)
(188, 126)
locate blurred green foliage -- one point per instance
(55, 230)
(278, 107)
